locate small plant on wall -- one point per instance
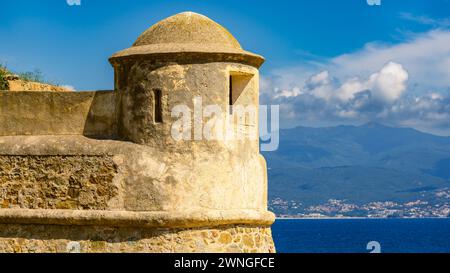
(3, 73)
(30, 76)
(34, 76)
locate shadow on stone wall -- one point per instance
(101, 120)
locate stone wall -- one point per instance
(57, 182)
(47, 239)
(103, 172)
(58, 113)
(19, 85)
(152, 180)
(67, 179)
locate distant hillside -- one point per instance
(364, 164)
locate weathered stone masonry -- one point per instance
(57, 182)
(100, 171)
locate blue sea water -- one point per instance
(353, 235)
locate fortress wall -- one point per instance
(57, 182)
(19, 85)
(92, 239)
(76, 172)
(58, 113)
(103, 172)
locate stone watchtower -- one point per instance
(147, 167)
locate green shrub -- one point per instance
(3, 73)
(34, 76)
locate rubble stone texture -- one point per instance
(101, 171)
(57, 182)
(57, 239)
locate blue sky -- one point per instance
(328, 62)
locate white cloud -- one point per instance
(321, 85)
(404, 84)
(351, 87)
(386, 85)
(321, 79)
(68, 87)
(425, 20)
(426, 57)
(390, 83)
(73, 2)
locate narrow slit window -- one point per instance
(157, 106)
(230, 95)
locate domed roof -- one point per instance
(187, 28)
(188, 32)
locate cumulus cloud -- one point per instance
(68, 87)
(390, 83)
(386, 85)
(425, 56)
(405, 84)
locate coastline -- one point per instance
(357, 218)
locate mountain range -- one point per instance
(357, 164)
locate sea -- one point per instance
(362, 235)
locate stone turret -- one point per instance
(182, 57)
(120, 175)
